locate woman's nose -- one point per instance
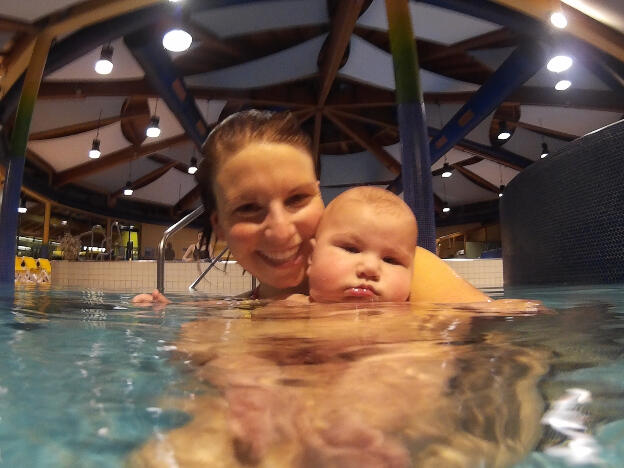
(368, 267)
(279, 225)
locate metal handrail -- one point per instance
(160, 262)
(212, 264)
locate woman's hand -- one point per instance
(154, 298)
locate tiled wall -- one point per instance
(140, 276)
(561, 218)
(483, 273)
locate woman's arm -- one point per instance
(188, 255)
(435, 281)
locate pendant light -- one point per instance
(544, 150)
(558, 20)
(192, 169)
(128, 188)
(501, 187)
(562, 85)
(446, 208)
(22, 206)
(447, 171)
(503, 133)
(153, 129)
(95, 152)
(559, 63)
(177, 40)
(105, 64)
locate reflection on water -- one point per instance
(89, 380)
(375, 386)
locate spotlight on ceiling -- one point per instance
(503, 133)
(22, 206)
(95, 152)
(153, 130)
(128, 189)
(501, 189)
(562, 85)
(446, 208)
(559, 63)
(105, 64)
(558, 20)
(193, 167)
(544, 151)
(177, 40)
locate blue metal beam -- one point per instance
(522, 64)
(162, 75)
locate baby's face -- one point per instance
(362, 256)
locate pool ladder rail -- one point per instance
(160, 265)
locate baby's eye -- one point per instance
(350, 248)
(392, 261)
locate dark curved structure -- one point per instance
(562, 219)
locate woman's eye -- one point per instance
(298, 199)
(247, 208)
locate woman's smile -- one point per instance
(282, 257)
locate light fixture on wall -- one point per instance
(153, 129)
(193, 167)
(177, 40)
(22, 206)
(544, 150)
(559, 63)
(558, 19)
(95, 152)
(105, 64)
(503, 132)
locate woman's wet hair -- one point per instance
(235, 133)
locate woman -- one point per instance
(196, 251)
(260, 190)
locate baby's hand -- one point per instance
(155, 298)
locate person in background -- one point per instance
(169, 252)
(196, 251)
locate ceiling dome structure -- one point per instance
(326, 61)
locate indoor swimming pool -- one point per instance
(87, 379)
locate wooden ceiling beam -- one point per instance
(144, 180)
(379, 120)
(484, 41)
(187, 202)
(465, 162)
(81, 127)
(14, 25)
(87, 88)
(161, 159)
(489, 157)
(475, 179)
(359, 135)
(211, 41)
(549, 132)
(113, 159)
(538, 96)
(41, 163)
(342, 25)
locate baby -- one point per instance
(363, 250)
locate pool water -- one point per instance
(88, 380)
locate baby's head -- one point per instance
(363, 249)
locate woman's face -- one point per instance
(268, 208)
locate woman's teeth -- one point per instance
(282, 256)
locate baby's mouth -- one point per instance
(280, 257)
(362, 291)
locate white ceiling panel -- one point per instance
(457, 191)
(116, 177)
(529, 144)
(125, 66)
(182, 153)
(66, 152)
(55, 113)
(287, 65)
(352, 168)
(168, 189)
(426, 21)
(494, 173)
(492, 58)
(567, 119)
(210, 109)
(370, 64)
(31, 10)
(260, 16)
